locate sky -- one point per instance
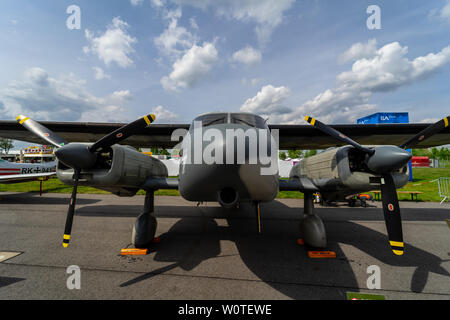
(121, 59)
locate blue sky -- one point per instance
(178, 58)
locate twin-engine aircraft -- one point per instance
(232, 158)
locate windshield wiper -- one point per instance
(245, 122)
(213, 121)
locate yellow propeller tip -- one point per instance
(65, 245)
(398, 252)
(20, 117)
(306, 118)
(153, 116)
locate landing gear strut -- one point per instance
(312, 229)
(145, 226)
(258, 218)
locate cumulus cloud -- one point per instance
(175, 39)
(193, 23)
(442, 14)
(189, 69)
(252, 82)
(388, 70)
(136, 2)
(122, 95)
(115, 45)
(247, 56)
(429, 120)
(269, 101)
(266, 14)
(99, 74)
(157, 3)
(66, 98)
(359, 51)
(163, 115)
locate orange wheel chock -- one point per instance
(321, 254)
(133, 252)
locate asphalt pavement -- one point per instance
(207, 252)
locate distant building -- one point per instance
(385, 117)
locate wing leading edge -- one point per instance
(290, 136)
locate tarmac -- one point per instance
(208, 252)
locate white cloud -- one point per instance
(388, 70)
(115, 45)
(40, 96)
(189, 69)
(157, 3)
(267, 14)
(193, 23)
(99, 74)
(429, 120)
(252, 82)
(163, 115)
(122, 95)
(247, 56)
(269, 101)
(136, 2)
(174, 40)
(445, 12)
(442, 14)
(359, 51)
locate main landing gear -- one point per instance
(312, 229)
(145, 226)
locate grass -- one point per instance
(421, 176)
(421, 182)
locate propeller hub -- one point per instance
(76, 155)
(387, 159)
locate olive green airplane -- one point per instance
(233, 158)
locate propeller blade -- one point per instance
(41, 131)
(425, 134)
(334, 133)
(391, 210)
(71, 211)
(122, 133)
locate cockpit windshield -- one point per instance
(214, 118)
(249, 120)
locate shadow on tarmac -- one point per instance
(35, 198)
(275, 257)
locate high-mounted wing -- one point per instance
(290, 136)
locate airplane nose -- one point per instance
(228, 197)
(76, 155)
(387, 159)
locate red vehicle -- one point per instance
(420, 162)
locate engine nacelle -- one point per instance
(340, 172)
(122, 171)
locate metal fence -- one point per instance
(444, 188)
